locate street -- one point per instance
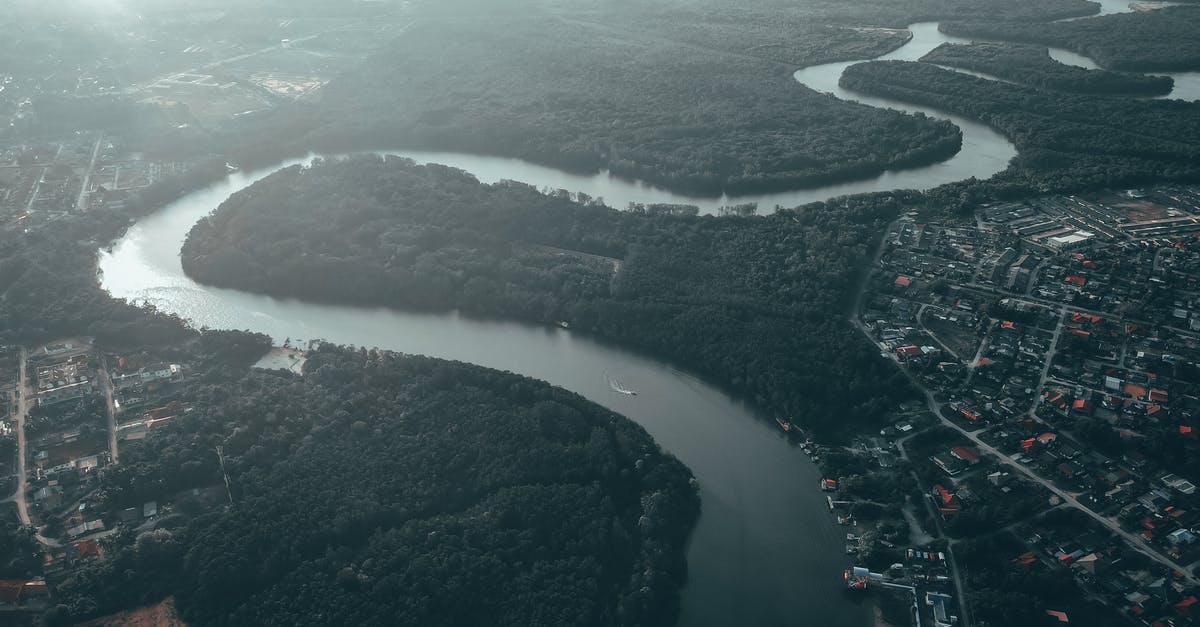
(106, 386)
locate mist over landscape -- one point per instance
(689, 312)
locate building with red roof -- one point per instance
(1187, 606)
(948, 502)
(22, 593)
(966, 453)
(903, 281)
(1076, 280)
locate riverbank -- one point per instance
(763, 551)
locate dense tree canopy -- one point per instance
(754, 303)
(1065, 141)
(588, 96)
(1031, 65)
(1144, 41)
(386, 489)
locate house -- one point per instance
(948, 463)
(1025, 560)
(903, 281)
(85, 528)
(1093, 563)
(16, 593)
(948, 503)
(1181, 537)
(87, 549)
(941, 614)
(1186, 607)
(1178, 483)
(967, 454)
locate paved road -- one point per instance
(1049, 360)
(107, 387)
(22, 410)
(24, 398)
(41, 179)
(87, 178)
(856, 320)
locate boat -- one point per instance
(783, 424)
(617, 387)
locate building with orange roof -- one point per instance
(948, 503)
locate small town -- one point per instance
(70, 410)
(1056, 342)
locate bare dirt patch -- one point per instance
(160, 615)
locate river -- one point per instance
(765, 551)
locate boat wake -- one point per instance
(616, 386)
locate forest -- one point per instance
(752, 303)
(387, 489)
(1032, 65)
(1065, 142)
(1162, 40)
(587, 97)
(695, 96)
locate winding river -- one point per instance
(765, 551)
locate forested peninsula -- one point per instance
(697, 97)
(753, 303)
(1032, 65)
(384, 489)
(1066, 142)
(587, 97)
(1162, 40)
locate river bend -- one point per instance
(765, 551)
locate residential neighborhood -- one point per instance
(67, 411)
(1056, 342)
